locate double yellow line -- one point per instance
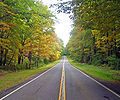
(62, 85)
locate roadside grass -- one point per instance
(9, 79)
(101, 73)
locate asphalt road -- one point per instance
(77, 86)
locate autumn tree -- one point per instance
(26, 31)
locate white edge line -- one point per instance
(26, 84)
(98, 82)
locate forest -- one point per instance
(35, 65)
(95, 38)
(27, 36)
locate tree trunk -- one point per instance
(26, 65)
(37, 61)
(5, 57)
(30, 58)
(90, 56)
(1, 56)
(1, 51)
(22, 59)
(11, 60)
(82, 61)
(108, 45)
(19, 59)
(115, 48)
(94, 47)
(82, 58)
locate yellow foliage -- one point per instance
(3, 4)
(86, 49)
(94, 32)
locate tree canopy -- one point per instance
(27, 34)
(95, 38)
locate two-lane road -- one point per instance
(62, 82)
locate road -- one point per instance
(62, 82)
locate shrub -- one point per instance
(114, 62)
(98, 60)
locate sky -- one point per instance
(63, 25)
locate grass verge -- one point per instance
(101, 73)
(9, 79)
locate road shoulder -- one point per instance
(12, 88)
(114, 86)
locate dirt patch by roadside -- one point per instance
(2, 76)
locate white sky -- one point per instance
(63, 26)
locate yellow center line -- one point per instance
(60, 88)
(62, 84)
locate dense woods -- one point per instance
(27, 36)
(95, 38)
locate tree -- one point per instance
(26, 30)
(101, 19)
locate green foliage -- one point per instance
(98, 60)
(94, 39)
(114, 62)
(103, 73)
(46, 61)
